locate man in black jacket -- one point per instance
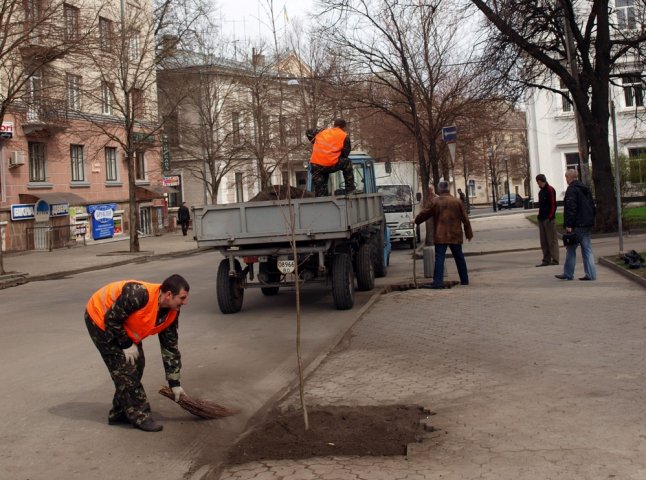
(184, 217)
(546, 223)
(579, 212)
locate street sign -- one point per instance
(450, 134)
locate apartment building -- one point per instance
(76, 123)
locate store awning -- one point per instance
(53, 198)
(156, 190)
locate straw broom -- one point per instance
(198, 407)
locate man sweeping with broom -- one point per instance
(118, 317)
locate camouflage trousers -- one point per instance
(129, 403)
(321, 176)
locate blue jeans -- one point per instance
(460, 263)
(586, 252)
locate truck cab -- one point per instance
(399, 210)
(364, 175)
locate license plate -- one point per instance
(286, 266)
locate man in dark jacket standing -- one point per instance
(579, 212)
(546, 223)
(183, 217)
(449, 214)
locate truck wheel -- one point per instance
(380, 262)
(342, 282)
(229, 289)
(273, 275)
(365, 268)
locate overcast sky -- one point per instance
(246, 18)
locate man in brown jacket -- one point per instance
(449, 214)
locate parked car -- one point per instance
(516, 201)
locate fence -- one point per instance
(48, 238)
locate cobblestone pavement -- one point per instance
(530, 378)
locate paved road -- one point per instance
(57, 392)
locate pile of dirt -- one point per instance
(281, 192)
(334, 431)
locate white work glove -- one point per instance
(178, 392)
(132, 354)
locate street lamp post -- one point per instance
(508, 189)
(493, 179)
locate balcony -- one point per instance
(45, 117)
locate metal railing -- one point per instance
(49, 238)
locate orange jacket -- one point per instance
(139, 324)
(327, 147)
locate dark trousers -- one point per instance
(460, 263)
(129, 398)
(321, 176)
(184, 227)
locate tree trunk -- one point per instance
(132, 206)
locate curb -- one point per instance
(626, 273)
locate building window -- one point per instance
(105, 33)
(73, 92)
(111, 164)
(138, 102)
(71, 15)
(235, 127)
(626, 19)
(633, 90)
(472, 188)
(133, 51)
(140, 165)
(637, 165)
(572, 161)
(37, 162)
(566, 104)
(106, 97)
(239, 189)
(76, 157)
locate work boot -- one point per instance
(117, 418)
(149, 425)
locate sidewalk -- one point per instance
(529, 377)
(32, 266)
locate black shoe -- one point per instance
(433, 286)
(585, 278)
(543, 264)
(117, 419)
(464, 283)
(150, 426)
(554, 262)
(562, 277)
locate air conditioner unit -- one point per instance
(16, 158)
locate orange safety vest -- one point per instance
(139, 324)
(327, 146)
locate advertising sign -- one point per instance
(22, 211)
(170, 181)
(41, 211)
(6, 130)
(102, 220)
(59, 210)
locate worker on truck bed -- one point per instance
(330, 150)
(118, 317)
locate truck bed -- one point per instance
(267, 222)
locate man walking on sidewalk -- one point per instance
(546, 222)
(118, 317)
(449, 214)
(579, 212)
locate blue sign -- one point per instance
(22, 211)
(59, 209)
(450, 134)
(102, 220)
